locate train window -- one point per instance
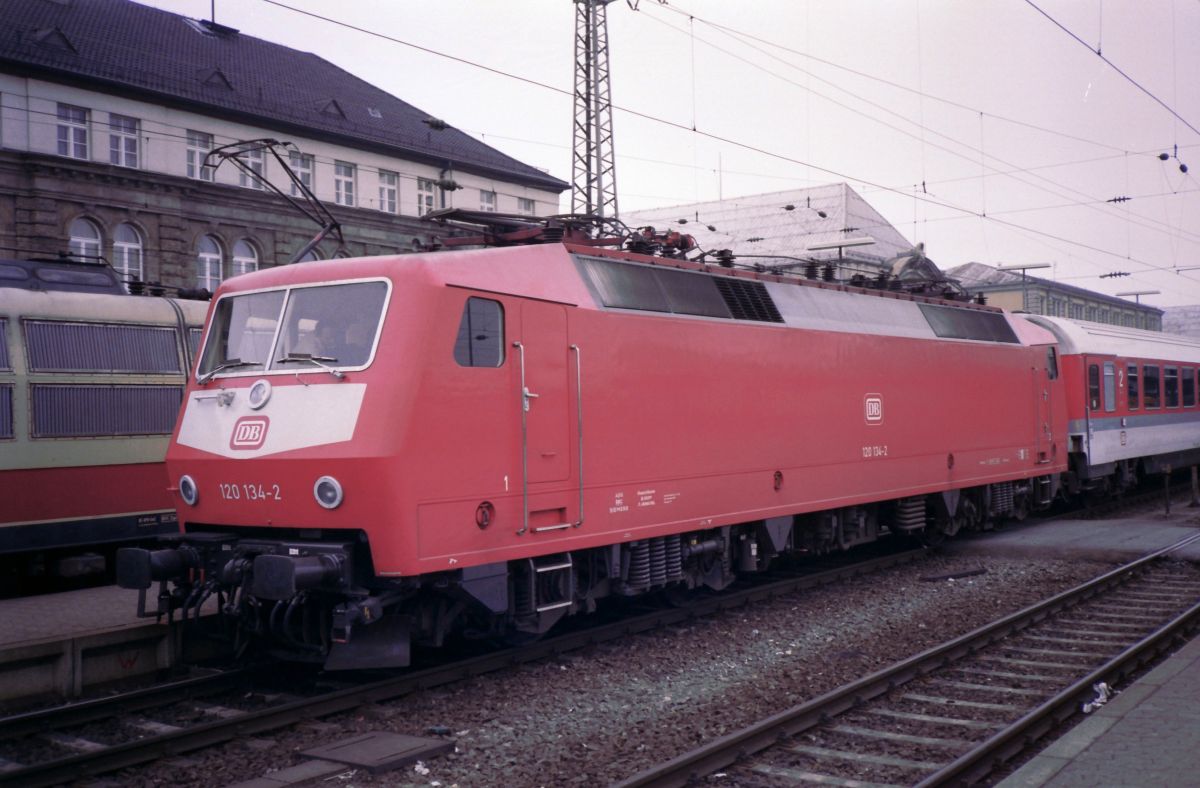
(957, 323)
(1094, 387)
(1171, 386)
(1131, 378)
(692, 294)
(4, 363)
(1189, 388)
(85, 411)
(1150, 395)
(651, 289)
(1051, 363)
(55, 346)
(193, 339)
(6, 412)
(626, 286)
(480, 341)
(1110, 386)
(335, 325)
(13, 273)
(241, 333)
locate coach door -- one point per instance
(544, 397)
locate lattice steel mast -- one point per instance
(593, 171)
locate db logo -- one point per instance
(873, 408)
(250, 432)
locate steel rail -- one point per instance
(999, 749)
(82, 712)
(726, 750)
(219, 731)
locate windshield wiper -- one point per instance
(232, 363)
(319, 361)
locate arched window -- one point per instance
(311, 255)
(245, 257)
(127, 253)
(85, 239)
(208, 263)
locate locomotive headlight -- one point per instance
(260, 392)
(328, 492)
(187, 490)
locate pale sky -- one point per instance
(1019, 133)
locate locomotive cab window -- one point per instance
(334, 325)
(480, 341)
(1150, 397)
(241, 334)
(1051, 364)
(1171, 386)
(1110, 386)
(1131, 376)
(302, 329)
(1094, 387)
(1188, 376)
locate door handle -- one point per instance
(527, 395)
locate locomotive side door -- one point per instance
(545, 391)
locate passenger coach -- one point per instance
(1133, 402)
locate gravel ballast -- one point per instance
(609, 711)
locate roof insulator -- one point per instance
(437, 124)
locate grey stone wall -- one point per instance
(41, 195)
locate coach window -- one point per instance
(1131, 376)
(1150, 397)
(1110, 386)
(1094, 387)
(1171, 386)
(480, 341)
(1189, 387)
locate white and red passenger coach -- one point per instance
(384, 451)
(1133, 402)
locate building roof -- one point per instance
(1182, 320)
(118, 45)
(762, 225)
(978, 277)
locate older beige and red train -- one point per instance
(386, 451)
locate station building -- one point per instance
(108, 108)
(1008, 289)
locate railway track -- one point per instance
(954, 713)
(68, 742)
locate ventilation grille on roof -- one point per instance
(748, 300)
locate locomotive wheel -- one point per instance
(932, 536)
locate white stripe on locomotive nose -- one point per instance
(300, 417)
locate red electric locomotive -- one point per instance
(383, 451)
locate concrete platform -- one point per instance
(1149, 735)
(1118, 539)
(61, 644)
(68, 614)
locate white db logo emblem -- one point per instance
(873, 408)
(250, 432)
